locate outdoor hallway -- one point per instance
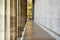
(43, 20)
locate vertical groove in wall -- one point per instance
(11, 20)
(5, 22)
(17, 18)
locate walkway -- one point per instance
(34, 32)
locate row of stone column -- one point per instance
(15, 18)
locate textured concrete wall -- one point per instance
(47, 13)
(1, 19)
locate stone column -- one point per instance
(19, 18)
(24, 12)
(13, 19)
(7, 19)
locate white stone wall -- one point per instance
(47, 13)
(2, 19)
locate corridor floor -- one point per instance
(35, 32)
